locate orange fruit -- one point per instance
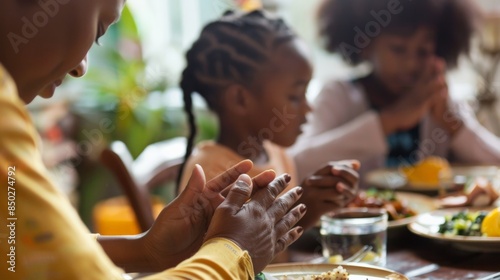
(491, 223)
(428, 172)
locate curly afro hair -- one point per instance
(342, 21)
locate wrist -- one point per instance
(127, 252)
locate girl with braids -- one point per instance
(253, 73)
(400, 112)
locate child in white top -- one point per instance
(401, 111)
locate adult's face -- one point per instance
(45, 40)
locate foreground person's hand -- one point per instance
(263, 225)
(179, 230)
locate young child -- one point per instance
(401, 111)
(253, 73)
(43, 236)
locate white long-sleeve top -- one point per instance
(342, 125)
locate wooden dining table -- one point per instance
(406, 252)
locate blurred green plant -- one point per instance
(118, 84)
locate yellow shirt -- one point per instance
(215, 159)
(42, 236)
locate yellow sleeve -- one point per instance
(41, 235)
(218, 259)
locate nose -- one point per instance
(80, 69)
(307, 107)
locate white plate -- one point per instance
(393, 179)
(427, 225)
(356, 271)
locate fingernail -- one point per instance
(245, 179)
(303, 208)
(300, 190)
(300, 230)
(287, 178)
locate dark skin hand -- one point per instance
(179, 230)
(443, 114)
(409, 109)
(331, 187)
(261, 225)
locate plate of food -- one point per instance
(299, 271)
(402, 207)
(471, 229)
(430, 176)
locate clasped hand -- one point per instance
(329, 188)
(430, 96)
(250, 216)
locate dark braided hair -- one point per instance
(229, 50)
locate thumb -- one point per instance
(353, 163)
(239, 193)
(195, 184)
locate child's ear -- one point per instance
(237, 99)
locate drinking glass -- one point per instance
(345, 231)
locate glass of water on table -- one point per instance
(346, 231)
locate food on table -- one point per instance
(373, 198)
(338, 273)
(491, 223)
(428, 172)
(464, 223)
(477, 192)
(335, 259)
(395, 276)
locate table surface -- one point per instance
(407, 251)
